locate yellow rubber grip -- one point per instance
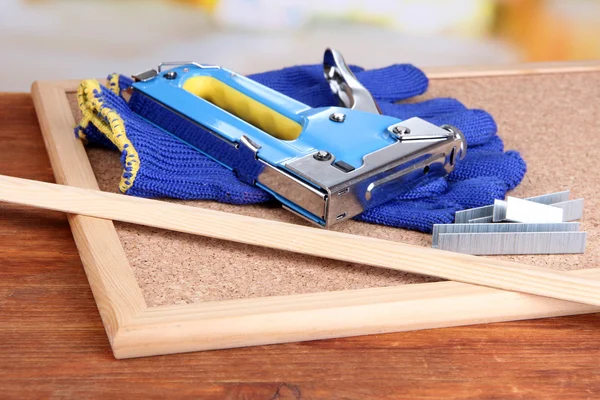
(244, 107)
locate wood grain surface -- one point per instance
(324, 243)
(53, 344)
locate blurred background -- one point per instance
(61, 39)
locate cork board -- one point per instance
(174, 268)
(176, 281)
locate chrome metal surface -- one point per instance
(385, 173)
(402, 132)
(246, 141)
(294, 190)
(462, 150)
(337, 117)
(144, 76)
(501, 228)
(383, 159)
(322, 155)
(380, 184)
(344, 85)
(513, 243)
(178, 63)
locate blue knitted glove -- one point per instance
(155, 164)
(158, 165)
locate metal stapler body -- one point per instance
(325, 164)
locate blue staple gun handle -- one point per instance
(325, 164)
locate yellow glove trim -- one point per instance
(110, 123)
(113, 84)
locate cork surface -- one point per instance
(551, 119)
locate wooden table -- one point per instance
(53, 345)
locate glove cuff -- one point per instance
(102, 109)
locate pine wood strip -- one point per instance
(281, 319)
(300, 239)
(521, 69)
(115, 288)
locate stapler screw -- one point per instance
(322, 155)
(401, 130)
(337, 117)
(170, 75)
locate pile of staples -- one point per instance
(536, 225)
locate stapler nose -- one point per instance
(459, 138)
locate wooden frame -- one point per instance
(136, 330)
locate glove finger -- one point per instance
(477, 125)
(416, 215)
(292, 81)
(429, 189)
(475, 192)
(171, 168)
(186, 174)
(315, 96)
(156, 164)
(93, 123)
(424, 109)
(422, 215)
(395, 82)
(93, 137)
(117, 83)
(290, 78)
(494, 145)
(509, 167)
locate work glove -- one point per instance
(156, 164)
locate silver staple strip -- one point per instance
(482, 220)
(551, 198)
(501, 228)
(499, 212)
(519, 210)
(572, 209)
(513, 243)
(461, 217)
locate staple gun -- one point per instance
(325, 164)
